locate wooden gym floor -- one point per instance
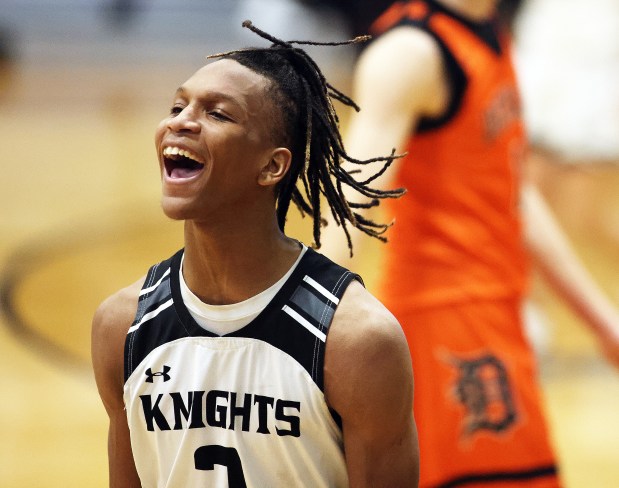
(79, 206)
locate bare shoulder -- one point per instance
(116, 312)
(110, 324)
(408, 37)
(403, 50)
(366, 350)
(369, 382)
(359, 313)
(407, 60)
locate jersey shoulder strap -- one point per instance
(155, 306)
(298, 319)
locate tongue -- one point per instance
(183, 172)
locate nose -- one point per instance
(184, 121)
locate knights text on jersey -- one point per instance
(242, 410)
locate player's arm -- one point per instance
(109, 329)
(398, 79)
(568, 276)
(369, 382)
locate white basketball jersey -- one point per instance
(242, 410)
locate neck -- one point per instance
(475, 10)
(229, 264)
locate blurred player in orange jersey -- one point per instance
(438, 83)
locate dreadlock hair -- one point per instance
(310, 128)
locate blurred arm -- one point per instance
(567, 275)
(398, 79)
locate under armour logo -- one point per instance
(150, 375)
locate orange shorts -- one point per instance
(477, 402)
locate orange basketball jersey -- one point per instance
(457, 229)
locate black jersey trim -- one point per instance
(523, 475)
(153, 299)
(486, 31)
(313, 305)
(147, 290)
(156, 289)
(309, 326)
(458, 83)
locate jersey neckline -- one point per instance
(252, 329)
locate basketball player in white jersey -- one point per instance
(247, 359)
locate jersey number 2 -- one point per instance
(206, 457)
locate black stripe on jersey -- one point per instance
(502, 476)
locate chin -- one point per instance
(175, 209)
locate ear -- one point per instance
(277, 167)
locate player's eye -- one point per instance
(219, 116)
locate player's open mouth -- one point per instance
(181, 163)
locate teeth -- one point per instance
(174, 151)
(187, 154)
